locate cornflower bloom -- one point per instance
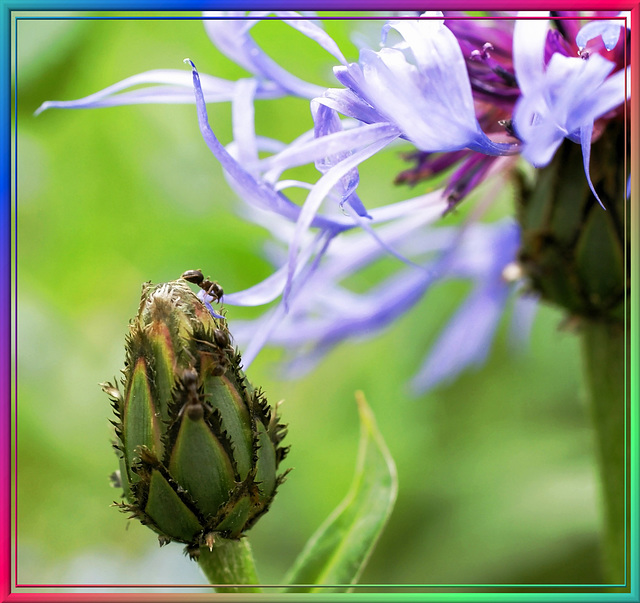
(471, 96)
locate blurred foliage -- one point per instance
(496, 471)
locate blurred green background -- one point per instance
(496, 472)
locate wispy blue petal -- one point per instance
(349, 103)
(326, 122)
(244, 132)
(609, 95)
(313, 32)
(324, 185)
(339, 144)
(250, 189)
(586, 132)
(272, 287)
(275, 318)
(170, 86)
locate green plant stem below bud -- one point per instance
(230, 562)
(604, 350)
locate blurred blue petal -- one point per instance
(466, 341)
(525, 308)
(467, 338)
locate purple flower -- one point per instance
(468, 96)
(561, 98)
(419, 85)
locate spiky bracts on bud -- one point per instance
(573, 251)
(198, 445)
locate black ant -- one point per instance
(193, 405)
(209, 287)
(222, 349)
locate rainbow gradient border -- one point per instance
(9, 591)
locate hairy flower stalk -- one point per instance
(199, 446)
(575, 256)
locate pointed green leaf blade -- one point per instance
(224, 397)
(201, 466)
(140, 422)
(337, 553)
(168, 511)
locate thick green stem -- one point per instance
(604, 352)
(229, 562)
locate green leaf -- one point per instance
(201, 466)
(337, 553)
(224, 397)
(141, 427)
(169, 512)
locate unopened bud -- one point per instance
(198, 445)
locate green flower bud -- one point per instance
(572, 249)
(198, 445)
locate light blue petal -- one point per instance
(442, 66)
(585, 140)
(275, 317)
(529, 39)
(609, 30)
(350, 104)
(271, 287)
(365, 224)
(244, 133)
(406, 97)
(545, 116)
(384, 134)
(606, 97)
(249, 188)
(326, 122)
(327, 150)
(430, 100)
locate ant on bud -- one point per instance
(222, 339)
(193, 405)
(209, 287)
